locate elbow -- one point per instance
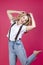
(8, 11)
(34, 26)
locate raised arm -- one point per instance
(9, 13)
(30, 27)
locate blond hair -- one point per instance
(21, 15)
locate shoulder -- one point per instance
(12, 22)
(24, 26)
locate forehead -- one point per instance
(25, 16)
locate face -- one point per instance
(24, 19)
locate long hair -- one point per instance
(28, 22)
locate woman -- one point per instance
(16, 48)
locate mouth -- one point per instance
(22, 21)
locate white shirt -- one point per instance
(14, 30)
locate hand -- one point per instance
(23, 12)
(31, 14)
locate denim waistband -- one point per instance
(15, 40)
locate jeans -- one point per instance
(16, 49)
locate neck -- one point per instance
(19, 22)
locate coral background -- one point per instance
(33, 40)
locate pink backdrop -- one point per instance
(33, 39)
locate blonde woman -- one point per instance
(19, 25)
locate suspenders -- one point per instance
(17, 33)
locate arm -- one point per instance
(33, 23)
(9, 13)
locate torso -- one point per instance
(14, 31)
